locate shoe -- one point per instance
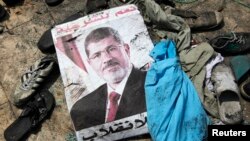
(2, 12)
(32, 79)
(227, 94)
(34, 113)
(230, 110)
(245, 88)
(232, 43)
(11, 2)
(116, 3)
(53, 2)
(200, 20)
(95, 5)
(45, 43)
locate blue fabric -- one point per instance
(174, 110)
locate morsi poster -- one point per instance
(102, 58)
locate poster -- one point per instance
(102, 57)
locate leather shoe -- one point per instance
(45, 43)
(199, 20)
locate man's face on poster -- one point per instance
(109, 58)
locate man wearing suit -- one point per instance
(123, 95)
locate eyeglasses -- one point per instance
(110, 50)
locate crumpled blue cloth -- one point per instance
(174, 110)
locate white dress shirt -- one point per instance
(119, 90)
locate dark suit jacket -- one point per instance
(91, 109)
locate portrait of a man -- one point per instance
(123, 93)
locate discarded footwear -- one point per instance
(11, 2)
(2, 12)
(229, 107)
(32, 79)
(35, 112)
(245, 88)
(114, 3)
(95, 5)
(72, 18)
(231, 43)
(45, 43)
(227, 91)
(53, 2)
(199, 20)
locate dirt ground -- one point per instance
(18, 50)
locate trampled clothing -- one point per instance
(174, 110)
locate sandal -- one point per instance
(35, 112)
(245, 88)
(227, 91)
(32, 79)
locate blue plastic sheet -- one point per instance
(174, 110)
